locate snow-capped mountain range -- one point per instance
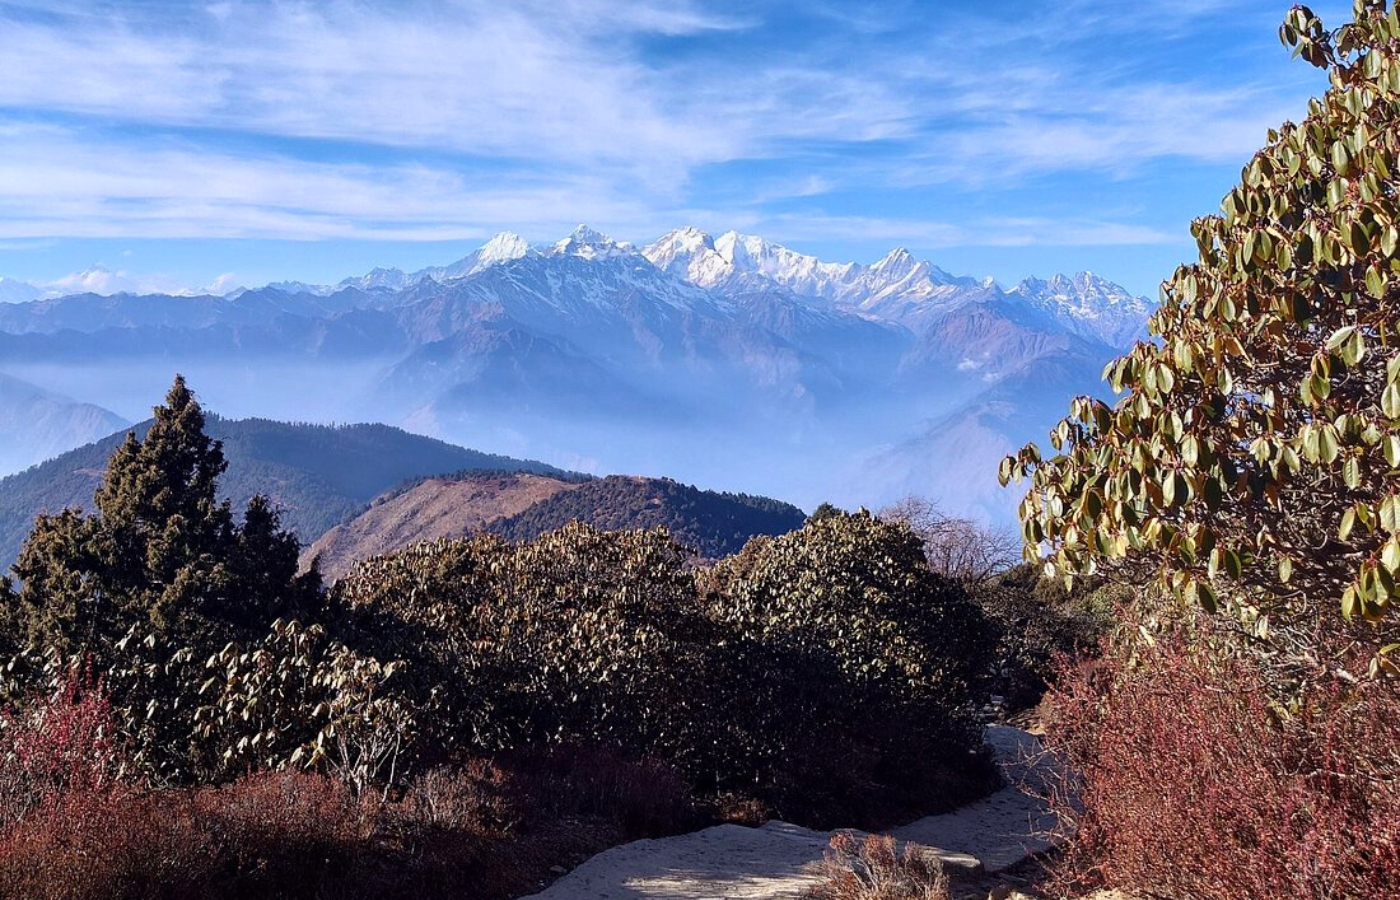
(898, 287)
(730, 361)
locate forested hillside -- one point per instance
(317, 475)
(709, 523)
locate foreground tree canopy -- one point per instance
(1253, 455)
(161, 553)
(823, 673)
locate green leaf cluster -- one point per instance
(1251, 459)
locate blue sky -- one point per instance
(185, 145)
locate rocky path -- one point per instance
(771, 862)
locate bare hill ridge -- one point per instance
(522, 506)
(441, 507)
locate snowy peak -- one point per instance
(1089, 306)
(901, 265)
(586, 243)
(899, 287)
(735, 260)
(690, 255)
(301, 287)
(802, 273)
(674, 251)
(502, 248)
(380, 279)
(898, 263)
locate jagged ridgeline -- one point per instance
(317, 475)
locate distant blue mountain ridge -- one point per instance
(728, 361)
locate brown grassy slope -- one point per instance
(434, 508)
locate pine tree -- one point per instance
(162, 553)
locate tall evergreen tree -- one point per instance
(162, 553)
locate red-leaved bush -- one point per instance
(276, 834)
(481, 830)
(1193, 784)
(65, 740)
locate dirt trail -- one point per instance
(770, 863)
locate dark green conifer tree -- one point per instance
(162, 553)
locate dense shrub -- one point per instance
(826, 673)
(1037, 623)
(298, 698)
(856, 670)
(574, 636)
(1195, 783)
(66, 738)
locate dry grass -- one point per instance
(874, 869)
(436, 508)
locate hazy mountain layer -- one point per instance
(36, 424)
(729, 361)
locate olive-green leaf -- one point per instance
(1390, 445)
(1348, 523)
(1375, 282)
(1390, 555)
(1390, 401)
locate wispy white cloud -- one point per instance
(517, 80)
(62, 185)
(99, 279)
(446, 119)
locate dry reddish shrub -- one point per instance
(270, 835)
(479, 797)
(65, 740)
(873, 869)
(480, 830)
(1193, 785)
(289, 833)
